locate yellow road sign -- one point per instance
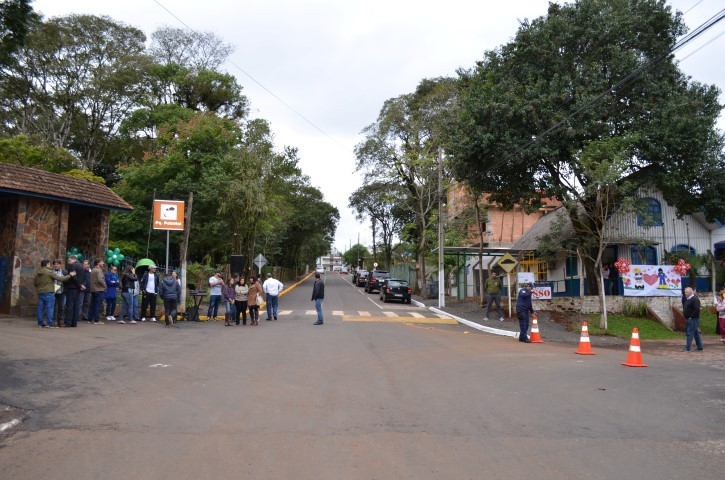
(508, 263)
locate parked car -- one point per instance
(375, 280)
(394, 289)
(320, 269)
(343, 270)
(361, 277)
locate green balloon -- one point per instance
(109, 253)
(116, 263)
(121, 257)
(116, 251)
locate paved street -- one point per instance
(378, 392)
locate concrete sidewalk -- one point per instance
(555, 328)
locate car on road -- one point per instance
(375, 280)
(360, 277)
(320, 269)
(394, 289)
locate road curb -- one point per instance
(8, 425)
(474, 325)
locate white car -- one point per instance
(320, 269)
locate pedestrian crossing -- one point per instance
(397, 316)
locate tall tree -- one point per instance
(379, 201)
(74, 81)
(548, 77)
(16, 20)
(402, 147)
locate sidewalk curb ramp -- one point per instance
(468, 323)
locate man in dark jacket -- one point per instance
(691, 312)
(59, 310)
(73, 292)
(318, 295)
(523, 308)
(170, 293)
(149, 291)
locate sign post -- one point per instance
(168, 215)
(508, 263)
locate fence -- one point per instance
(405, 272)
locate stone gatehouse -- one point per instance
(42, 216)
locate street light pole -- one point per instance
(441, 272)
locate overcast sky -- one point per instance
(335, 62)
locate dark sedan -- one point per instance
(361, 278)
(393, 289)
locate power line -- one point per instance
(279, 99)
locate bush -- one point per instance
(635, 309)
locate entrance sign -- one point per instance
(168, 215)
(651, 281)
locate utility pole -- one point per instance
(441, 272)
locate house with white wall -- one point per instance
(640, 238)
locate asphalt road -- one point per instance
(375, 393)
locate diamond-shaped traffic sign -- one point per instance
(508, 263)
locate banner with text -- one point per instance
(652, 281)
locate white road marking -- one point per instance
(380, 307)
(416, 315)
(337, 312)
(442, 315)
(364, 314)
(311, 312)
(391, 314)
(159, 365)
(285, 312)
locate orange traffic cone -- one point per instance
(585, 346)
(535, 337)
(634, 359)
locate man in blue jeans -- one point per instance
(318, 296)
(44, 282)
(215, 295)
(691, 312)
(272, 288)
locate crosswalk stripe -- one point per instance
(416, 314)
(311, 312)
(390, 314)
(285, 312)
(337, 312)
(364, 314)
(442, 315)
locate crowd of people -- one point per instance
(78, 293)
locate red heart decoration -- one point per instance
(650, 278)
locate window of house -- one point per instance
(652, 214)
(572, 266)
(683, 248)
(644, 256)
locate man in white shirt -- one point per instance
(272, 288)
(215, 295)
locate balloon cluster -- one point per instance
(622, 265)
(74, 251)
(682, 267)
(114, 257)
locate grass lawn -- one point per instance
(621, 326)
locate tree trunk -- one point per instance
(184, 250)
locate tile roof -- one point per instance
(39, 183)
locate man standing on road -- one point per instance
(215, 295)
(493, 294)
(523, 308)
(59, 293)
(318, 295)
(86, 289)
(98, 292)
(44, 282)
(149, 290)
(73, 294)
(691, 312)
(272, 288)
